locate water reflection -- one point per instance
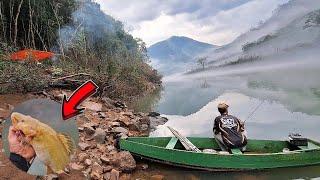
(271, 121)
(148, 102)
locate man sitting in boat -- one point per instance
(228, 130)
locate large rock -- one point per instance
(114, 174)
(99, 136)
(93, 106)
(82, 157)
(124, 161)
(153, 114)
(76, 166)
(156, 121)
(89, 131)
(83, 146)
(96, 171)
(120, 130)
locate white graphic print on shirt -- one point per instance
(228, 122)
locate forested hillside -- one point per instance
(87, 43)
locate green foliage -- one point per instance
(38, 21)
(22, 77)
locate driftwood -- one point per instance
(69, 82)
(71, 76)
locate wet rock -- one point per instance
(144, 120)
(76, 166)
(153, 114)
(114, 174)
(120, 130)
(99, 136)
(124, 161)
(156, 121)
(157, 177)
(83, 146)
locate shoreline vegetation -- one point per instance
(88, 44)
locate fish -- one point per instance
(52, 148)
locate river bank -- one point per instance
(101, 124)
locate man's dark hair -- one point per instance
(222, 110)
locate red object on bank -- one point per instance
(31, 55)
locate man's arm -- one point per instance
(241, 124)
(216, 126)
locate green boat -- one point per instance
(259, 154)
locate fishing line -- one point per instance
(250, 115)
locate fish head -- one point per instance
(27, 125)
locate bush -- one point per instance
(260, 41)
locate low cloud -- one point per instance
(213, 21)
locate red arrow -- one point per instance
(69, 107)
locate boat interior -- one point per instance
(253, 146)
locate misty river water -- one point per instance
(290, 93)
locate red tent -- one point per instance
(32, 55)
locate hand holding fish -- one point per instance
(19, 144)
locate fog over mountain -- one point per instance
(278, 60)
(176, 53)
(293, 25)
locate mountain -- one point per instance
(292, 26)
(176, 54)
(178, 49)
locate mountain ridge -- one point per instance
(178, 48)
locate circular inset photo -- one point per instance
(36, 138)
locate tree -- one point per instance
(202, 61)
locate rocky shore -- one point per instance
(101, 125)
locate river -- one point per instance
(290, 97)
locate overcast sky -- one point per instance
(214, 21)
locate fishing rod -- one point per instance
(250, 115)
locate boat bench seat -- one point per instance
(236, 151)
(310, 146)
(172, 143)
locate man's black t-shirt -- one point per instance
(19, 162)
(231, 130)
